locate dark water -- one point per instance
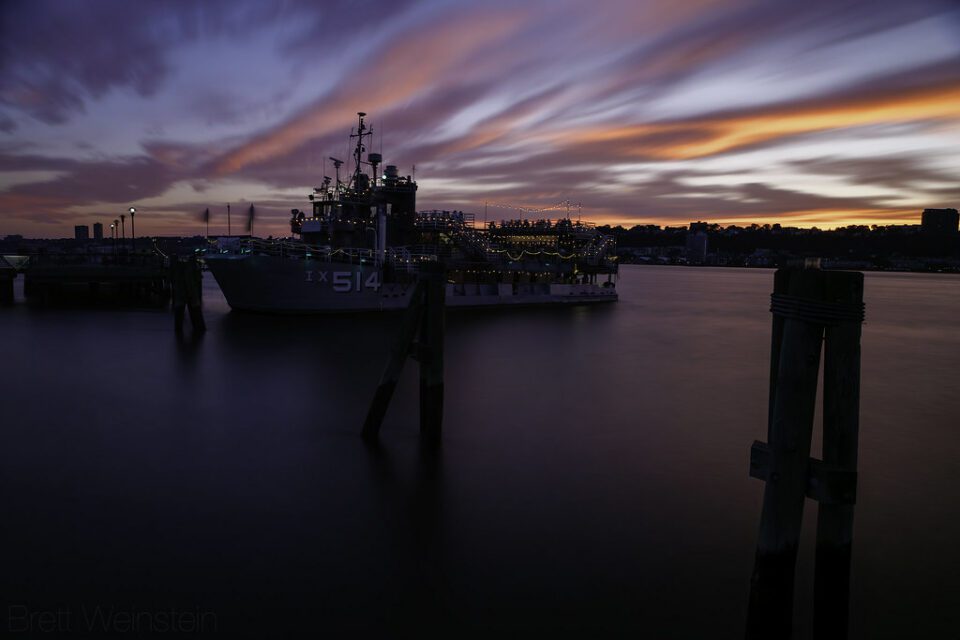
(593, 476)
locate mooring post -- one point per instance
(185, 287)
(6, 285)
(794, 393)
(808, 305)
(178, 293)
(194, 282)
(424, 314)
(841, 424)
(431, 354)
(398, 356)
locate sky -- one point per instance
(634, 111)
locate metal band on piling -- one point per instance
(816, 311)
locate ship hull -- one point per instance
(293, 285)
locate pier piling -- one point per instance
(186, 284)
(813, 310)
(841, 425)
(422, 337)
(6, 286)
(431, 355)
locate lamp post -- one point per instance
(113, 238)
(123, 229)
(133, 233)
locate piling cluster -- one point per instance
(814, 311)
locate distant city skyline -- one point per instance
(650, 112)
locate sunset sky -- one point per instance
(663, 111)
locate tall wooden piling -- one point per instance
(6, 286)
(398, 357)
(421, 336)
(841, 424)
(7, 274)
(431, 354)
(811, 308)
(186, 285)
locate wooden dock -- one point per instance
(128, 276)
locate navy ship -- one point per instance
(362, 242)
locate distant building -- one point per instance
(97, 231)
(81, 232)
(940, 222)
(697, 243)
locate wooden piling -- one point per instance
(6, 286)
(793, 395)
(841, 423)
(424, 316)
(809, 306)
(185, 283)
(398, 356)
(431, 354)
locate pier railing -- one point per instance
(147, 260)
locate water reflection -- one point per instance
(592, 476)
(188, 348)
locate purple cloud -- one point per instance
(165, 102)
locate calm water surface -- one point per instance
(593, 475)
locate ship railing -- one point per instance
(403, 258)
(301, 250)
(527, 225)
(436, 219)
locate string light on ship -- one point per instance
(563, 204)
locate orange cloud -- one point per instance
(682, 140)
(394, 76)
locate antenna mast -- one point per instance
(336, 165)
(362, 132)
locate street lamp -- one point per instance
(123, 229)
(113, 237)
(133, 233)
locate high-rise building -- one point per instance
(81, 232)
(697, 242)
(940, 222)
(97, 231)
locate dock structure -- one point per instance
(130, 275)
(814, 311)
(421, 337)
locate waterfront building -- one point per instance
(940, 222)
(696, 249)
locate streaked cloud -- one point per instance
(652, 111)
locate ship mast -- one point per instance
(336, 165)
(362, 132)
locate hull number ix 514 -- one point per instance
(346, 281)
